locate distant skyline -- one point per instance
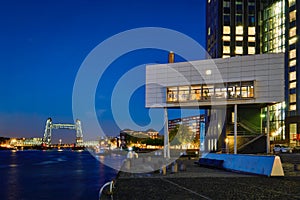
(43, 44)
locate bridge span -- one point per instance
(50, 126)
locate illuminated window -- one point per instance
(293, 132)
(292, 76)
(292, 85)
(293, 16)
(208, 31)
(220, 91)
(226, 29)
(292, 40)
(183, 93)
(292, 32)
(226, 38)
(226, 49)
(233, 90)
(292, 54)
(251, 30)
(251, 39)
(208, 91)
(292, 98)
(196, 92)
(208, 1)
(239, 30)
(172, 94)
(239, 38)
(292, 107)
(292, 2)
(247, 89)
(225, 56)
(238, 50)
(292, 63)
(251, 50)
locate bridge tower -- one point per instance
(49, 126)
(48, 132)
(79, 135)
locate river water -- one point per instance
(30, 175)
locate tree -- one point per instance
(154, 142)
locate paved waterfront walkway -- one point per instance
(204, 183)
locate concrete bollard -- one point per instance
(163, 170)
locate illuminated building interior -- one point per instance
(230, 90)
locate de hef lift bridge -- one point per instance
(50, 126)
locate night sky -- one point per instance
(43, 45)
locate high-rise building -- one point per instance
(232, 27)
(243, 27)
(292, 71)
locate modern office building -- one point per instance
(216, 84)
(232, 27)
(243, 27)
(292, 71)
(195, 124)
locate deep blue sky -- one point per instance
(43, 44)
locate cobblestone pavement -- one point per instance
(205, 183)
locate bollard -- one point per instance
(164, 170)
(174, 167)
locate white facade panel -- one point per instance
(266, 71)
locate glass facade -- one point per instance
(196, 125)
(245, 27)
(232, 90)
(273, 28)
(293, 133)
(277, 124)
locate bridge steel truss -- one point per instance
(49, 126)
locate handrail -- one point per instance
(251, 141)
(111, 185)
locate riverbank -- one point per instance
(205, 183)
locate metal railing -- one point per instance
(110, 192)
